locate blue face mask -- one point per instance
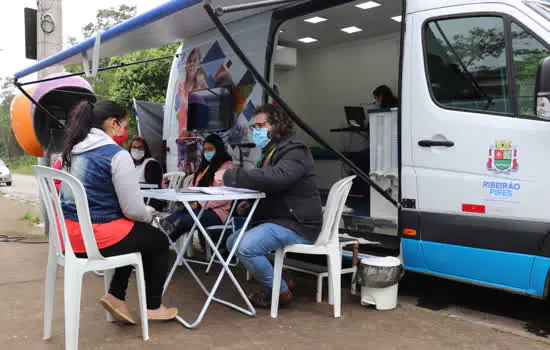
(209, 155)
(260, 138)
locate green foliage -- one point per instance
(9, 148)
(35, 219)
(107, 18)
(22, 164)
(146, 81)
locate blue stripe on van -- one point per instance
(510, 265)
(457, 262)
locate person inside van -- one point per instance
(214, 158)
(120, 219)
(384, 97)
(290, 214)
(149, 171)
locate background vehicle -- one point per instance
(5, 174)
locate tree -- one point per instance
(107, 18)
(147, 81)
(8, 144)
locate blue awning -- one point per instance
(166, 24)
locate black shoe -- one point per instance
(167, 227)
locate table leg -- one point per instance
(251, 311)
(222, 234)
(181, 252)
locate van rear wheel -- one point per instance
(8, 183)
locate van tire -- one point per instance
(8, 183)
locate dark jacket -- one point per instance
(293, 199)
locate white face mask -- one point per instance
(137, 154)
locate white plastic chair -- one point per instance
(327, 244)
(76, 267)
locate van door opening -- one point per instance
(326, 65)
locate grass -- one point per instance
(34, 219)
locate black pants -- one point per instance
(153, 246)
(184, 223)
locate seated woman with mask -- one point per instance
(120, 220)
(214, 158)
(148, 169)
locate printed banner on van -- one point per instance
(503, 157)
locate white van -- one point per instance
(463, 154)
(471, 173)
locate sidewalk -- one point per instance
(306, 325)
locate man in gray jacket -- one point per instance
(291, 213)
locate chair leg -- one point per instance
(354, 264)
(73, 290)
(319, 288)
(49, 295)
(277, 275)
(140, 280)
(107, 278)
(329, 281)
(335, 263)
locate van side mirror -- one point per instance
(543, 90)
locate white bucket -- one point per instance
(382, 298)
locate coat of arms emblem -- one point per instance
(503, 157)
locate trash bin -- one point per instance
(379, 278)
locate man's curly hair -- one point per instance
(282, 125)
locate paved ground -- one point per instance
(23, 187)
(481, 308)
(306, 325)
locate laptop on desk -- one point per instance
(355, 117)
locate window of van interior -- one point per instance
(320, 68)
(332, 58)
(466, 63)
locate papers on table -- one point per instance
(221, 190)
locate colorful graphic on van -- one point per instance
(212, 71)
(503, 157)
(204, 67)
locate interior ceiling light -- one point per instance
(368, 5)
(315, 20)
(397, 18)
(308, 40)
(351, 30)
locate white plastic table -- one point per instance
(221, 194)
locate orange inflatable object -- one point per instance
(22, 124)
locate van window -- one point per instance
(466, 63)
(527, 53)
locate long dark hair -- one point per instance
(146, 148)
(388, 98)
(84, 117)
(219, 158)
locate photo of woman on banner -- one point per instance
(195, 79)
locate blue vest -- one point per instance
(93, 169)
